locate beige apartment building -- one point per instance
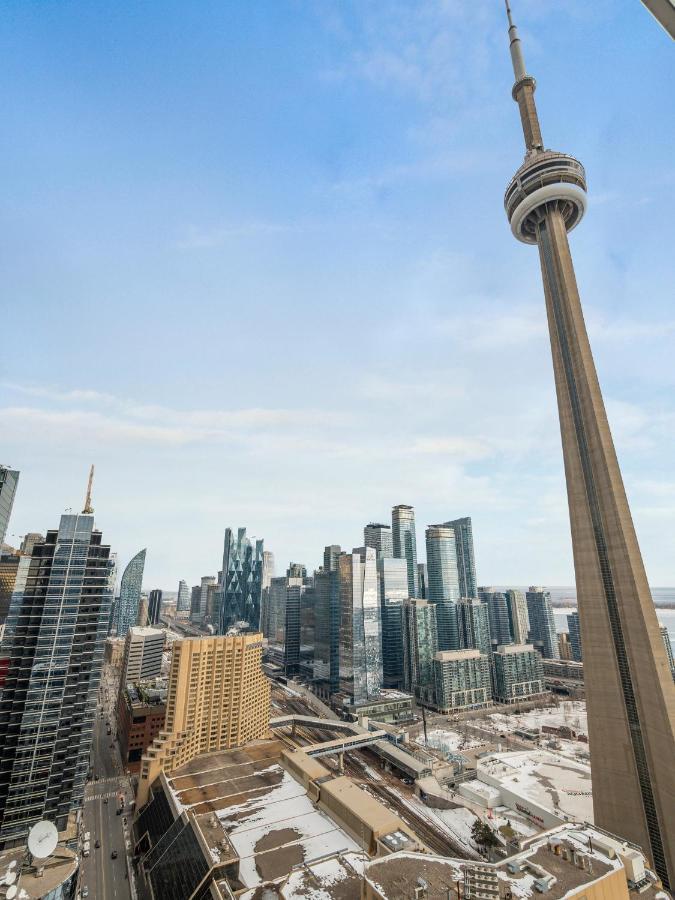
(218, 699)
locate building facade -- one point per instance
(420, 645)
(361, 675)
(519, 673)
(405, 542)
(443, 582)
(143, 649)
(141, 713)
(519, 620)
(393, 590)
(154, 606)
(241, 586)
(461, 680)
(9, 566)
(575, 636)
(330, 557)
(543, 632)
(52, 654)
(326, 667)
(129, 599)
(379, 537)
(498, 612)
(466, 563)
(218, 698)
(183, 600)
(9, 480)
(473, 625)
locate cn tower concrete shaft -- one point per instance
(630, 693)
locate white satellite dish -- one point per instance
(42, 839)
(10, 878)
(11, 892)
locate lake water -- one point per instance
(660, 595)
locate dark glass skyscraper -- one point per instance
(9, 479)
(443, 583)
(130, 594)
(466, 564)
(241, 586)
(52, 652)
(326, 633)
(473, 625)
(498, 611)
(575, 636)
(154, 606)
(393, 591)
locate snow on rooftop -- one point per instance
(448, 741)
(284, 809)
(319, 880)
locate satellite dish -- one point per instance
(42, 839)
(10, 878)
(11, 892)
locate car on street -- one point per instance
(97, 843)
(105, 799)
(113, 855)
(85, 892)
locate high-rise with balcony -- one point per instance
(9, 479)
(129, 600)
(240, 590)
(543, 632)
(630, 696)
(52, 654)
(443, 582)
(420, 644)
(405, 542)
(473, 625)
(466, 563)
(218, 698)
(498, 610)
(518, 673)
(575, 636)
(519, 621)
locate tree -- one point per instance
(483, 835)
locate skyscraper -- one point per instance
(361, 673)
(420, 644)
(498, 611)
(183, 600)
(52, 653)
(575, 636)
(473, 625)
(466, 563)
(284, 599)
(143, 649)
(405, 542)
(326, 633)
(154, 606)
(330, 557)
(206, 582)
(629, 689)
(542, 622)
(218, 698)
(267, 568)
(30, 540)
(379, 537)
(518, 617)
(9, 479)
(393, 590)
(423, 581)
(443, 582)
(241, 587)
(130, 594)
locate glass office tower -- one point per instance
(443, 583)
(543, 632)
(393, 590)
(405, 543)
(52, 653)
(379, 537)
(241, 586)
(326, 633)
(130, 594)
(361, 673)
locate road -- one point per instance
(107, 878)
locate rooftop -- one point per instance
(55, 870)
(564, 860)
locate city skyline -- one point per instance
(373, 171)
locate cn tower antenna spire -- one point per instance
(523, 89)
(88, 509)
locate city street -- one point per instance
(107, 878)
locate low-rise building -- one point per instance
(519, 673)
(141, 713)
(461, 680)
(570, 861)
(143, 649)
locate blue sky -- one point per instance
(256, 267)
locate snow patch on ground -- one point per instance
(447, 741)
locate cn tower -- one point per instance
(630, 693)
